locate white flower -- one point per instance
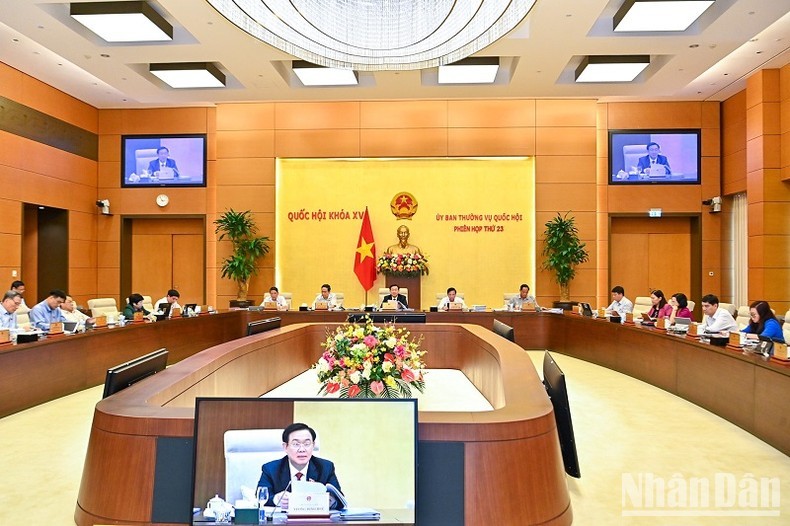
(323, 366)
(387, 366)
(359, 347)
(390, 342)
(354, 377)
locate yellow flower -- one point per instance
(390, 381)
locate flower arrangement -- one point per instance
(369, 361)
(402, 265)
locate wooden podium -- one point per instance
(411, 283)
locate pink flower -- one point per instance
(332, 387)
(389, 357)
(377, 387)
(407, 375)
(370, 341)
(353, 391)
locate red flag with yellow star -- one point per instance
(365, 256)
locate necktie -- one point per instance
(299, 475)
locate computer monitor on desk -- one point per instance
(378, 429)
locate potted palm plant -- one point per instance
(563, 250)
(240, 229)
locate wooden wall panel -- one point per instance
(316, 115)
(245, 143)
(259, 116)
(564, 197)
(473, 142)
(565, 112)
(403, 114)
(654, 115)
(255, 198)
(491, 113)
(245, 171)
(418, 142)
(11, 212)
(565, 141)
(165, 120)
(316, 143)
(46, 99)
(565, 169)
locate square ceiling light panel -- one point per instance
(123, 21)
(183, 75)
(658, 15)
(611, 68)
(314, 75)
(472, 70)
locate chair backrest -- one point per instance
(143, 158)
(339, 297)
(786, 327)
(147, 304)
(103, 306)
(729, 307)
(690, 305)
(743, 318)
(384, 291)
(246, 451)
(22, 316)
(508, 296)
(642, 304)
(631, 155)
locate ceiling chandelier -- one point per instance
(374, 35)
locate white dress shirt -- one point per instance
(330, 300)
(621, 307)
(446, 300)
(7, 319)
(721, 320)
(175, 305)
(281, 301)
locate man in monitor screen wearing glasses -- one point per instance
(298, 464)
(654, 163)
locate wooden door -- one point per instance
(651, 253)
(169, 254)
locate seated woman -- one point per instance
(135, 305)
(677, 307)
(763, 323)
(659, 302)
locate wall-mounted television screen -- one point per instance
(654, 157)
(366, 448)
(163, 160)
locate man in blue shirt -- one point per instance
(48, 310)
(11, 302)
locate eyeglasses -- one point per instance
(295, 444)
(754, 315)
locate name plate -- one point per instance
(138, 316)
(455, 305)
(269, 305)
(308, 504)
(56, 327)
(320, 305)
(100, 321)
(780, 351)
(661, 323)
(601, 313)
(694, 330)
(736, 339)
(629, 317)
(390, 305)
(5, 335)
(175, 312)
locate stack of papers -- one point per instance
(360, 514)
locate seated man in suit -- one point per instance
(451, 298)
(157, 165)
(44, 313)
(653, 158)
(395, 294)
(298, 464)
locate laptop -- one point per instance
(682, 324)
(189, 307)
(70, 326)
(586, 309)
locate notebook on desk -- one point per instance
(70, 326)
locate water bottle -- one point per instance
(263, 498)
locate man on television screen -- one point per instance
(648, 163)
(298, 464)
(163, 166)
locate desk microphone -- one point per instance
(282, 494)
(402, 306)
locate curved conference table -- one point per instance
(129, 428)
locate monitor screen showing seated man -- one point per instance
(242, 444)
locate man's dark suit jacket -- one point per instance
(644, 162)
(153, 166)
(400, 297)
(276, 475)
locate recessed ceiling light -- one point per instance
(314, 75)
(611, 68)
(658, 15)
(189, 74)
(123, 21)
(472, 70)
